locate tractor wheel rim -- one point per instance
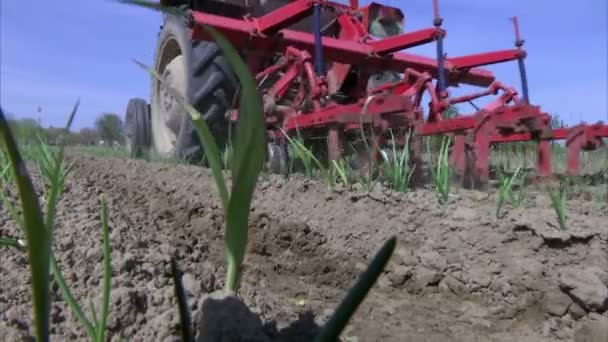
(166, 120)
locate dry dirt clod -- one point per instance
(223, 318)
(399, 275)
(464, 215)
(586, 288)
(576, 311)
(556, 303)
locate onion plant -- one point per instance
(248, 160)
(441, 174)
(248, 154)
(299, 151)
(397, 170)
(38, 230)
(38, 237)
(558, 202)
(341, 168)
(506, 183)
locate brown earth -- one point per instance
(458, 274)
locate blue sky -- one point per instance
(51, 53)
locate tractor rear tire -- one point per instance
(137, 122)
(201, 74)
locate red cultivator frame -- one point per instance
(323, 75)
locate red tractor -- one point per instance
(336, 75)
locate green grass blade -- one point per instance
(212, 151)
(248, 161)
(14, 243)
(332, 329)
(107, 272)
(182, 303)
(304, 154)
(506, 183)
(248, 155)
(37, 236)
(52, 168)
(69, 299)
(94, 314)
(341, 170)
(558, 201)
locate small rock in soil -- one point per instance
(585, 287)
(576, 311)
(455, 285)
(480, 277)
(464, 215)
(427, 277)
(404, 257)
(191, 286)
(399, 275)
(556, 303)
(433, 260)
(602, 274)
(227, 318)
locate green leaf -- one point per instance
(8, 242)
(182, 303)
(38, 238)
(212, 152)
(249, 152)
(70, 300)
(249, 155)
(332, 329)
(107, 272)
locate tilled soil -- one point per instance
(458, 274)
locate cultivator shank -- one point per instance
(332, 71)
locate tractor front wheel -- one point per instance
(200, 73)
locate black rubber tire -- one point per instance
(210, 87)
(214, 86)
(137, 122)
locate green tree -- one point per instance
(109, 128)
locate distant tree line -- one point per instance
(107, 130)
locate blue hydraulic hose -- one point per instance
(440, 64)
(524, 80)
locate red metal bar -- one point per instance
(486, 58)
(334, 143)
(241, 34)
(457, 156)
(343, 114)
(482, 151)
(557, 134)
(573, 155)
(404, 41)
(512, 137)
(283, 17)
(543, 158)
(598, 130)
(448, 126)
(560, 133)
